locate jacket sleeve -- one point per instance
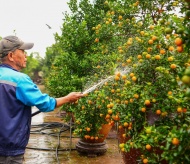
(29, 94)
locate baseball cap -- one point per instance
(11, 43)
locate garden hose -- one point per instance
(35, 113)
(51, 125)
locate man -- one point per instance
(17, 95)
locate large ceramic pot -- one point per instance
(132, 156)
(92, 148)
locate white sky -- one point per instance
(29, 18)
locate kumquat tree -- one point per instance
(139, 52)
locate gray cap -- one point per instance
(11, 43)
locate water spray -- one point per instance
(109, 78)
(97, 85)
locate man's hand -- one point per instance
(71, 97)
(74, 96)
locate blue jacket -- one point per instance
(17, 95)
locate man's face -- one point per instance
(19, 59)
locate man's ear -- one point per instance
(10, 56)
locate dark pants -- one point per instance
(12, 159)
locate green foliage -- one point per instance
(34, 66)
(51, 54)
(76, 49)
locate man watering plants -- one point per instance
(17, 95)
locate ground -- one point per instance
(46, 147)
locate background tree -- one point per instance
(34, 67)
(75, 48)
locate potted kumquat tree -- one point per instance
(149, 103)
(146, 90)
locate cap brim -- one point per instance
(26, 46)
